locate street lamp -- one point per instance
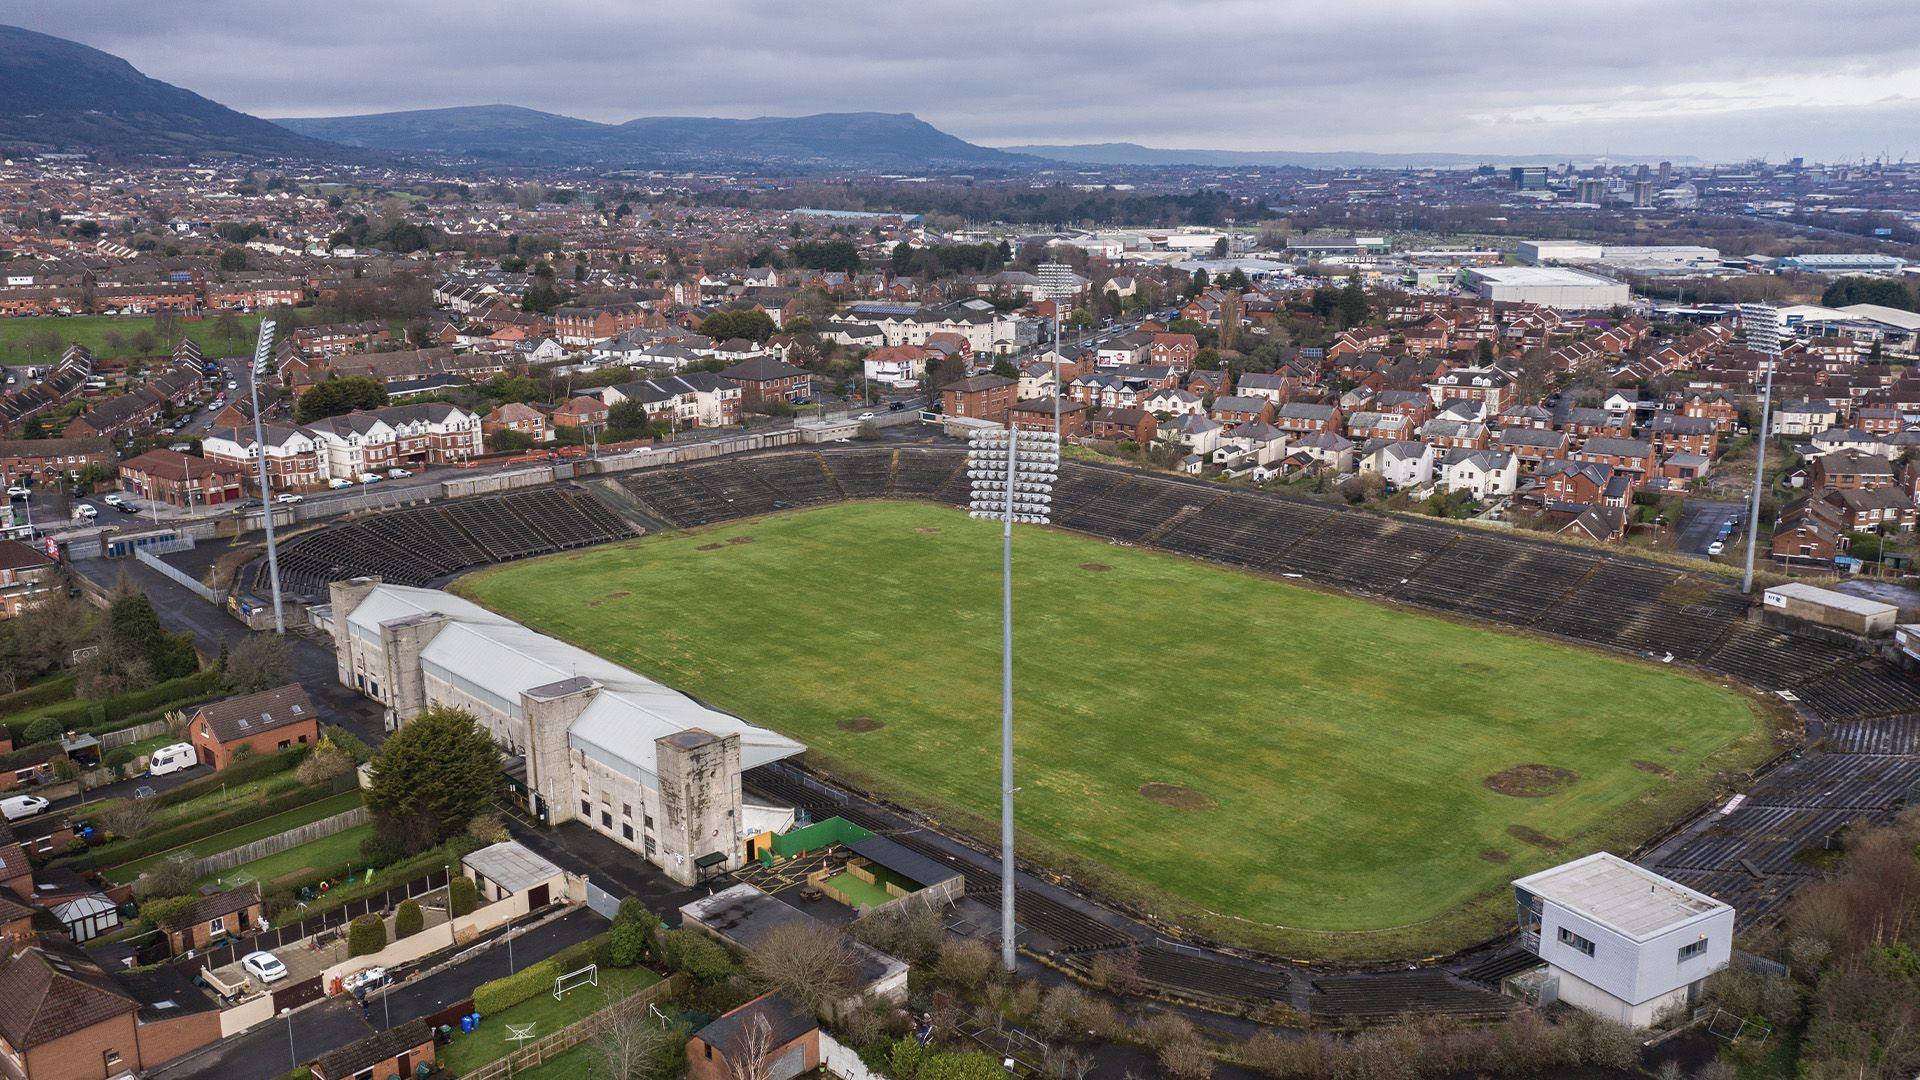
(262, 352)
(1012, 473)
(1764, 327)
(291, 1052)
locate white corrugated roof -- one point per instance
(618, 727)
(1813, 594)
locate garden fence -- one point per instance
(577, 1032)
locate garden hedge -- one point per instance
(118, 852)
(366, 935)
(408, 919)
(535, 979)
(112, 713)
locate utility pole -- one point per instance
(262, 352)
(1763, 327)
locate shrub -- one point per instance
(1163, 1029)
(700, 957)
(408, 919)
(631, 939)
(462, 896)
(45, 729)
(1187, 1060)
(960, 1067)
(965, 962)
(322, 765)
(119, 756)
(158, 910)
(506, 992)
(366, 935)
(487, 828)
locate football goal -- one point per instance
(573, 980)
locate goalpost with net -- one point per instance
(573, 980)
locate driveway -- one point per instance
(1700, 524)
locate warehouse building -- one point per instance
(585, 739)
(1548, 286)
(1845, 612)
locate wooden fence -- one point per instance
(279, 842)
(577, 1032)
(128, 736)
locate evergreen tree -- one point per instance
(430, 778)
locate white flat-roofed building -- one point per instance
(1623, 942)
(1548, 286)
(1829, 607)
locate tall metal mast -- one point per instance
(262, 353)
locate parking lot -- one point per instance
(1701, 523)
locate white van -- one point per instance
(21, 806)
(84, 512)
(171, 759)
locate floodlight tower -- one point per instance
(1060, 283)
(1012, 473)
(262, 354)
(1764, 328)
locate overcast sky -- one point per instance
(1720, 79)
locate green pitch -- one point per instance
(41, 339)
(1274, 765)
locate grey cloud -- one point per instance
(1487, 76)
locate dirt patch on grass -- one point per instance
(1096, 567)
(1494, 855)
(859, 724)
(739, 539)
(929, 530)
(1178, 797)
(709, 547)
(1535, 837)
(1531, 781)
(1655, 768)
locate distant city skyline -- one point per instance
(1490, 77)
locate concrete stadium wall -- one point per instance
(655, 456)
(177, 576)
(273, 845)
(497, 482)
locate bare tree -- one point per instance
(810, 962)
(126, 817)
(751, 1055)
(259, 662)
(627, 1046)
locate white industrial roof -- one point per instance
(501, 657)
(1812, 594)
(1617, 894)
(1892, 316)
(1538, 275)
(511, 866)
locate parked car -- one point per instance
(113, 498)
(180, 447)
(16, 493)
(21, 806)
(126, 508)
(1716, 547)
(866, 416)
(369, 478)
(84, 512)
(398, 473)
(171, 759)
(289, 498)
(263, 966)
(339, 482)
(232, 385)
(251, 504)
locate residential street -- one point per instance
(279, 1045)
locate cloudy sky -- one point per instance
(1720, 79)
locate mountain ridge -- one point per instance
(1129, 153)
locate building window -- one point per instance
(626, 809)
(216, 925)
(606, 821)
(284, 743)
(1693, 949)
(586, 809)
(626, 832)
(112, 1058)
(1575, 941)
(648, 822)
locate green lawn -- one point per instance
(1324, 758)
(246, 834)
(468, 1052)
(321, 854)
(22, 340)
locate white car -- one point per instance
(21, 806)
(339, 482)
(289, 497)
(369, 478)
(1716, 547)
(113, 498)
(866, 416)
(232, 385)
(18, 492)
(263, 966)
(395, 474)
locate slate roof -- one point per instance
(374, 1049)
(213, 907)
(51, 991)
(251, 714)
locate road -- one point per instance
(280, 1045)
(1700, 524)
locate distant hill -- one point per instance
(60, 95)
(510, 133)
(1135, 154)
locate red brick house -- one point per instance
(516, 417)
(207, 919)
(1117, 424)
(765, 379)
(583, 410)
(49, 458)
(981, 397)
(1850, 469)
(270, 720)
(1174, 350)
(1305, 417)
(1036, 414)
(180, 480)
(1232, 410)
(1634, 455)
(1809, 531)
(398, 1051)
(1717, 406)
(768, 1036)
(64, 1017)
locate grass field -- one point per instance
(246, 834)
(1276, 765)
(21, 339)
(468, 1052)
(315, 855)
